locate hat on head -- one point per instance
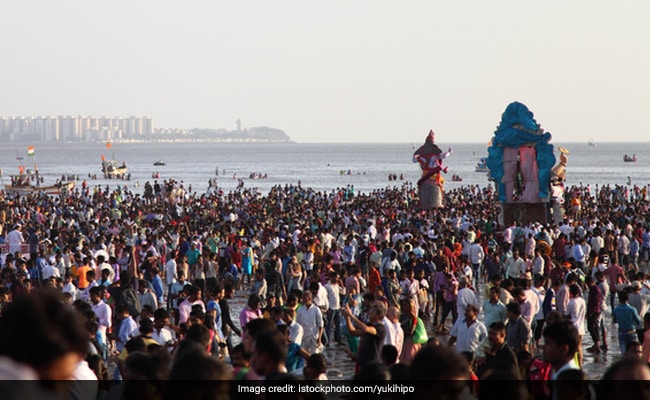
(636, 285)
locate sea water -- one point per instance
(322, 166)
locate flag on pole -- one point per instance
(30, 151)
(103, 158)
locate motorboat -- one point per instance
(481, 166)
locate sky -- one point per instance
(335, 70)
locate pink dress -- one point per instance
(529, 170)
(509, 170)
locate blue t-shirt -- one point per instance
(214, 305)
(294, 360)
(626, 317)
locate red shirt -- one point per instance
(615, 275)
(374, 280)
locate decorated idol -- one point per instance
(430, 184)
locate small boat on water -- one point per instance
(456, 178)
(481, 166)
(113, 170)
(31, 183)
(159, 163)
(592, 143)
(627, 158)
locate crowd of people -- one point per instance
(109, 289)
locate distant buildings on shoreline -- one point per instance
(82, 128)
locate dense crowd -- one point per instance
(125, 295)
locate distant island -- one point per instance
(83, 128)
(254, 134)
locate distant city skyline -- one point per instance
(74, 127)
(335, 71)
(104, 128)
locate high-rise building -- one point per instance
(50, 129)
(147, 126)
(69, 128)
(131, 126)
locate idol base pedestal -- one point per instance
(525, 213)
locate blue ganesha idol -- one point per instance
(520, 158)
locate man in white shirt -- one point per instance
(466, 269)
(50, 271)
(171, 274)
(515, 266)
(319, 296)
(372, 231)
(161, 331)
(69, 287)
(566, 229)
(538, 263)
(15, 239)
(334, 290)
(326, 239)
(597, 242)
(476, 257)
(102, 311)
(468, 333)
(296, 331)
(466, 296)
(394, 331)
(310, 318)
(577, 310)
(623, 250)
(102, 265)
(540, 292)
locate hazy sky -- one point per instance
(334, 71)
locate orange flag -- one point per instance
(108, 145)
(103, 158)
